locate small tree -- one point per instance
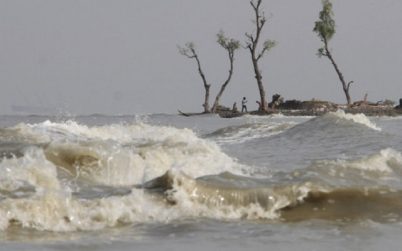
(252, 44)
(230, 45)
(190, 52)
(325, 29)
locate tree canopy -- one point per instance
(325, 26)
(325, 29)
(229, 44)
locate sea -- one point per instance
(169, 182)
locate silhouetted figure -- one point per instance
(234, 108)
(243, 104)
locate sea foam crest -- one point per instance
(127, 154)
(357, 118)
(246, 132)
(386, 162)
(61, 212)
(51, 205)
(199, 198)
(33, 168)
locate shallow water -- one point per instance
(169, 182)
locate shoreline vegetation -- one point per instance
(325, 29)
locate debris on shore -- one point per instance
(314, 108)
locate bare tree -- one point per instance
(190, 52)
(230, 45)
(256, 54)
(325, 29)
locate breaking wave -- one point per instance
(242, 133)
(332, 125)
(126, 154)
(317, 192)
(70, 177)
(67, 176)
(325, 190)
(356, 118)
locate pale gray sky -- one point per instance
(120, 56)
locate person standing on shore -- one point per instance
(243, 105)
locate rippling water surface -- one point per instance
(168, 182)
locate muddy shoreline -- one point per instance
(368, 111)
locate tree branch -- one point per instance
(249, 36)
(255, 7)
(188, 50)
(261, 54)
(349, 84)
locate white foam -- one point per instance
(33, 168)
(133, 153)
(357, 118)
(243, 133)
(387, 161)
(383, 161)
(53, 212)
(190, 199)
(52, 206)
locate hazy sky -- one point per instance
(121, 57)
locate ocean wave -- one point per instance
(387, 161)
(345, 205)
(381, 169)
(125, 154)
(51, 185)
(356, 118)
(296, 201)
(336, 125)
(242, 133)
(286, 195)
(203, 198)
(191, 198)
(72, 177)
(329, 190)
(62, 212)
(33, 168)
(36, 193)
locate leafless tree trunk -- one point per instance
(189, 51)
(231, 46)
(223, 87)
(252, 44)
(346, 87)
